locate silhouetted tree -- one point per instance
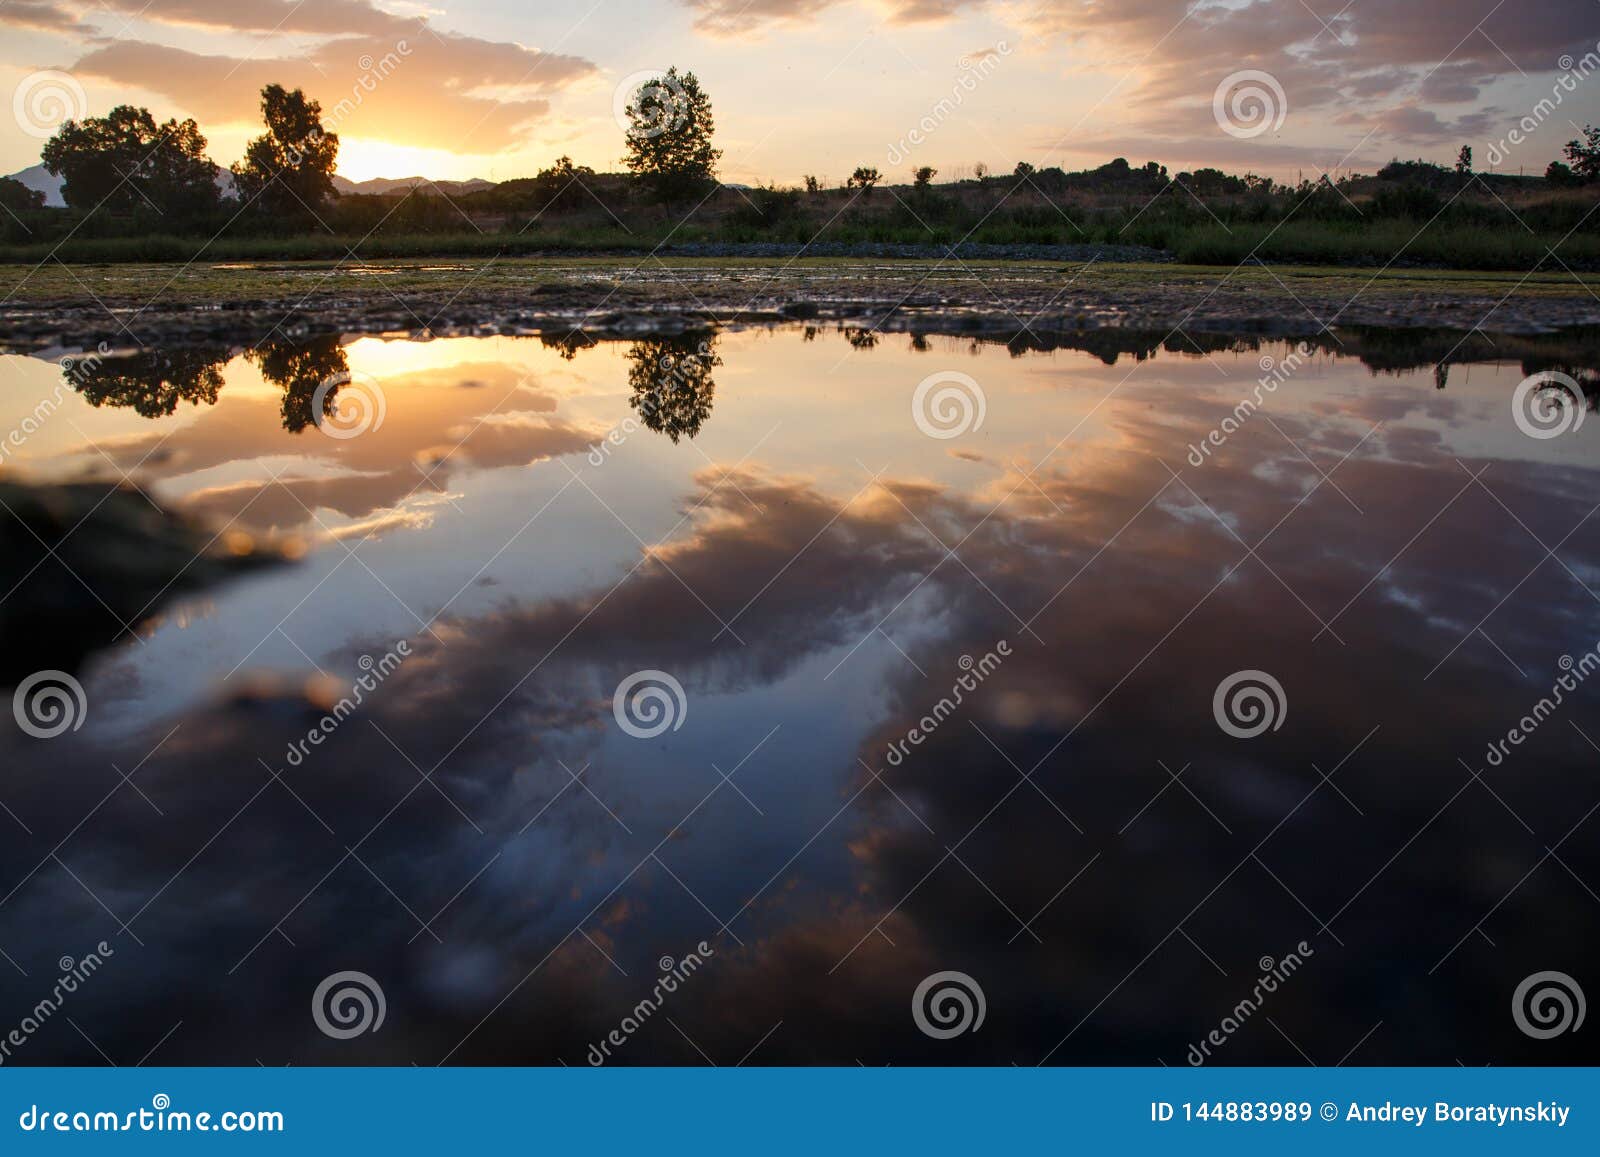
(1584, 154)
(669, 135)
(923, 175)
(672, 383)
(1022, 171)
(17, 197)
(1464, 160)
(812, 184)
(1561, 175)
(864, 178)
(287, 174)
(126, 162)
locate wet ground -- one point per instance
(825, 657)
(60, 307)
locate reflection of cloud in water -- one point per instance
(1138, 616)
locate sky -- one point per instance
(498, 89)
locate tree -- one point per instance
(1561, 176)
(17, 197)
(1023, 171)
(923, 176)
(669, 135)
(125, 162)
(287, 173)
(864, 178)
(1584, 155)
(980, 170)
(1464, 160)
(564, 184)
(812, 184)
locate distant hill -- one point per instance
(40, 180)
(381, 185)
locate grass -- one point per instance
(327, 278)
(1401, 242)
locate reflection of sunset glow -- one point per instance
(803, 510)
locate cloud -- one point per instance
(493, 710)
(733, 18)
(440, 91)
(41, 16)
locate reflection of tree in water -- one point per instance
(671, 380)
(152, 382)
(567, 345)
(298, 368)
(1587, 381)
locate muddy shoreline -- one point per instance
(122, 307)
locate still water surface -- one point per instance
(761, 517)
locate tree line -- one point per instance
(127, 166)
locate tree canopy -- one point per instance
(287, 173)
(124, 161)
(669, 135)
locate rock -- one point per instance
(82, 564)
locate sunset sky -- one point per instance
(498, 88)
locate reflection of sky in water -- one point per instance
(811, 518)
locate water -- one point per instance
(760, 520)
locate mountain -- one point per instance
(38, 178)
(382, 185)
